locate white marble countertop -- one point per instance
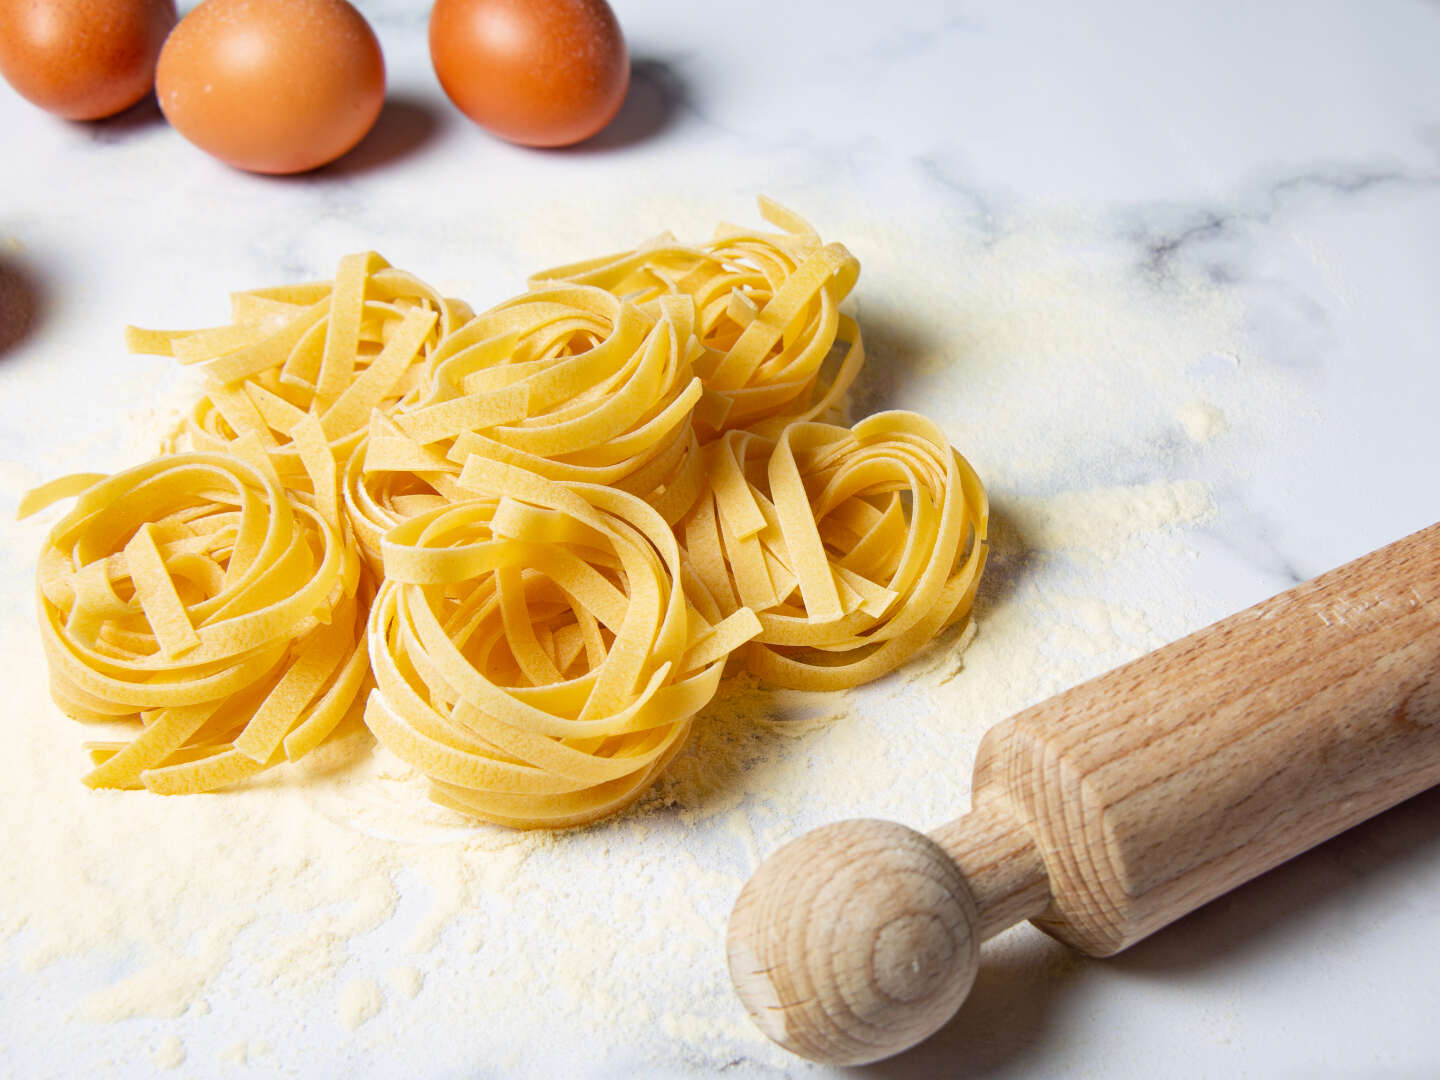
(1185, 255)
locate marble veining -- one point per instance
(1078, 226)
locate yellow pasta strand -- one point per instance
(470, 688)
(570, 383)
(573, 509)
(767, 310)
(192, 591)
(881, 531)
(332, 352)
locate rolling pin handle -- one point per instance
(999, 860)
(862, 938)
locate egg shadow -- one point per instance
(655, 97)
(143, 116)
(403, 127)
(22, 303)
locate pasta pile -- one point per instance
(854, 546)
(571, 383)
(301, 368)
(537, 534)
(537, 651)
(767, 307)
(192, 593)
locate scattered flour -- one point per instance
(1201, 421)
(407, 980)
(244, 1052)
(287, 903)
(236, 1054)
(1105, 522)
(168, 986)
(360, 1001)
(169, 1053)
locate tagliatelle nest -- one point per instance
(536, 651)
(768, 306)
(571, 510)
(191, 596)
(571, 383)
(853, 546)
(332, 352)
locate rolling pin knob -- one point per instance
(861, 938)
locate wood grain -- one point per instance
(1111, 810)
(1171, 780)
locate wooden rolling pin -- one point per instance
(1109, 811)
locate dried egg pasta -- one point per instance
(768, 316)
(574, 508)
(334, 352)
(192, 597)
(539, 649)
(854, 546)
(571, 383)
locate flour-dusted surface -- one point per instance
(1166, 279)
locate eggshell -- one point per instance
(272, 86)
(537, 72)
(83, 59)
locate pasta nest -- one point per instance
(570, 382)
(854, 546)
(541, 530)
(539, 649)
(332, 352)
(190, 595)
(768, 310)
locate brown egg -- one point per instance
(272, 86)
(83, 59)
(538, 72)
